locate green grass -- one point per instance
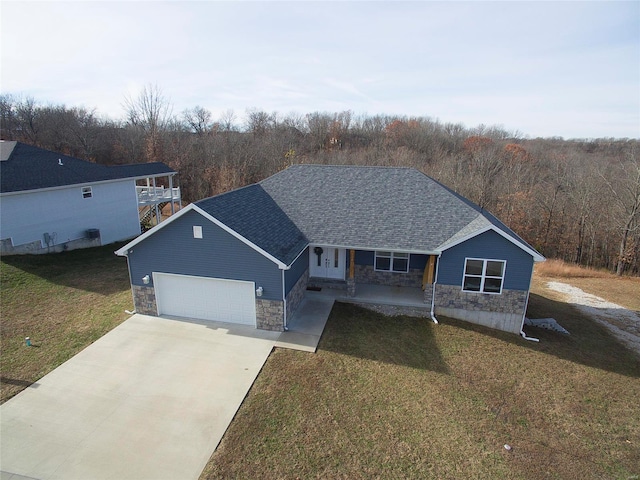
(403, 398)
(63, 302)
(383, 397)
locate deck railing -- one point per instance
(148, 195)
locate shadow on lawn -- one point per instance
(588, 344)
(96, 269)
(356, 331)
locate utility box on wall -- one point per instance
(93, 233)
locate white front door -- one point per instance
(327, 262)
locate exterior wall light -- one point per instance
(146, 279)
(259, 292)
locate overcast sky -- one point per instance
(569, 69)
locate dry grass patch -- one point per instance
(399, 397)
(560, 269)
(624, 291)
(63, 302)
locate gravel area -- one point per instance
(622, 322)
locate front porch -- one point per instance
(307, 322)
(368, 293)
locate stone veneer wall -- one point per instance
(270, 314)
(428, 293)
(502, 312)
(144, 300)
(367, 274)
(296, 294)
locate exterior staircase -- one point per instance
(149, 214)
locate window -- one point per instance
(483, 275)
(197, 231)
(392, 262)
(86, 192)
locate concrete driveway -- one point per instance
(149, 400)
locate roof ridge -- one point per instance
(335, 165)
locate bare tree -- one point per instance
(151, 112)
(198, 120)
(624, 187)
(227, 121)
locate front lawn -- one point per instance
(383, 397)
(403, 398)
(62, 302)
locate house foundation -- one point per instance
(503, 312)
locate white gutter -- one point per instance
(433, 293)
(284, 305)
(524, 314)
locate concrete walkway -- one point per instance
(307, 323)
(149, 400)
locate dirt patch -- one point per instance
(622, 322)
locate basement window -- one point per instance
(484, 276)
(392, 262)
(87, 192)
(197, 231)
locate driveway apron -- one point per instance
(149, 400)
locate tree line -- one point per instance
(577, 200)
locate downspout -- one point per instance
(284, 304)
(433, 293)
(524, 314)
(128, 312)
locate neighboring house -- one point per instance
(246, 256)
(52, 202)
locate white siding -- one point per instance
(112, 209)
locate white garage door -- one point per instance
(205, 298)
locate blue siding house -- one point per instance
(247, 256)
(51, 202)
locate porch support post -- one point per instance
(155, 201)
(351, 281)
(171, 193)
(427, 278)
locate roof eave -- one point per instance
(193, 207)
(537, 257)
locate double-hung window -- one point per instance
(392, 262)
(484, 276)
(87, 192)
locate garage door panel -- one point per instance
(205, 298)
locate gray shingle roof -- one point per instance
(370, 207)
(374, 208)
(24, 167)
(252, 213)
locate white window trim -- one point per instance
(85, 190)
(484, 275)
(391, 270)
(197, 231)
